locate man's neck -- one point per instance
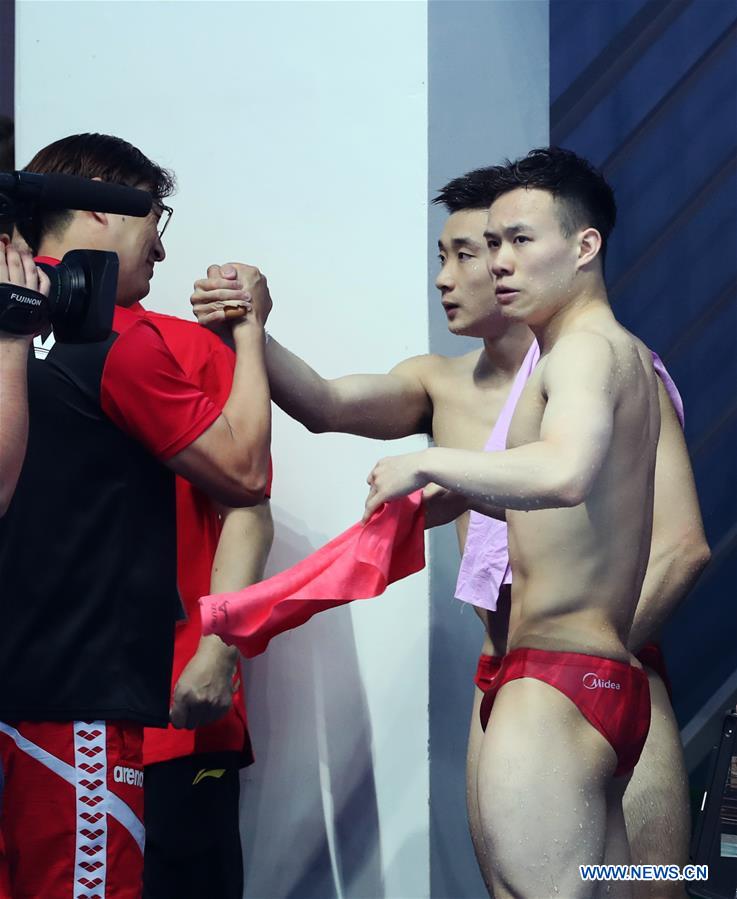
(586, 303)
(504, 353)
(54, 249)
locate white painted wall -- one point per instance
(298, 132)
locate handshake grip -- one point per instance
(22, 311)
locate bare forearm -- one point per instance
(678, 551)
(444, 506)
(381, 406)
(248, 407)
(240, 559)
(297, 388)
(529, 477)
(243, 548)
(13, 414)
(670, 577)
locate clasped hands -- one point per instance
(231, 295)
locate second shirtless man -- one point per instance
(569, 710)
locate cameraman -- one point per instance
(88, 562)
(20, 269)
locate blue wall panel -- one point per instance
(648, 91)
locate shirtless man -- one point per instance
(570, 707)
(457, 401)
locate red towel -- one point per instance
(357, 564)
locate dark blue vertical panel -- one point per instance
(648, 91)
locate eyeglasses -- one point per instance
(164, 219)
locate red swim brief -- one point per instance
(614, 697)
(486, 670)
(651, 655)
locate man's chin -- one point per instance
(455, 326)
(143, 291)
(465, 329)
(513, 314)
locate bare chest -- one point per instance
(464, 413)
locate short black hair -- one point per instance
(102, 156)
(474, 190)
(585, 199)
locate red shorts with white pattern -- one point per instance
(72, 809)
(613, 696)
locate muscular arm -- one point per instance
(230, 460)
(204, 690)
(555, 471)
(243, 548)
(679, 550)
(443, 506)
(383, 406)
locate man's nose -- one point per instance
(500, 262)
(159, 251)
(444, 281)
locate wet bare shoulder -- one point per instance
(633, 359)
(585, 354)
(433, 367)
(642, 350)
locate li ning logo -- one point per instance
(593, 682)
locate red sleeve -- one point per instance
(146, 394)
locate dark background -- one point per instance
(7, 57)
(648, 92)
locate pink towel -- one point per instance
(670, 387)
(357, 564)
(485, 564)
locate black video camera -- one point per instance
(81, 300)
(80, 304)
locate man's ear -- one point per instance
(100, 217)
(589, 247)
